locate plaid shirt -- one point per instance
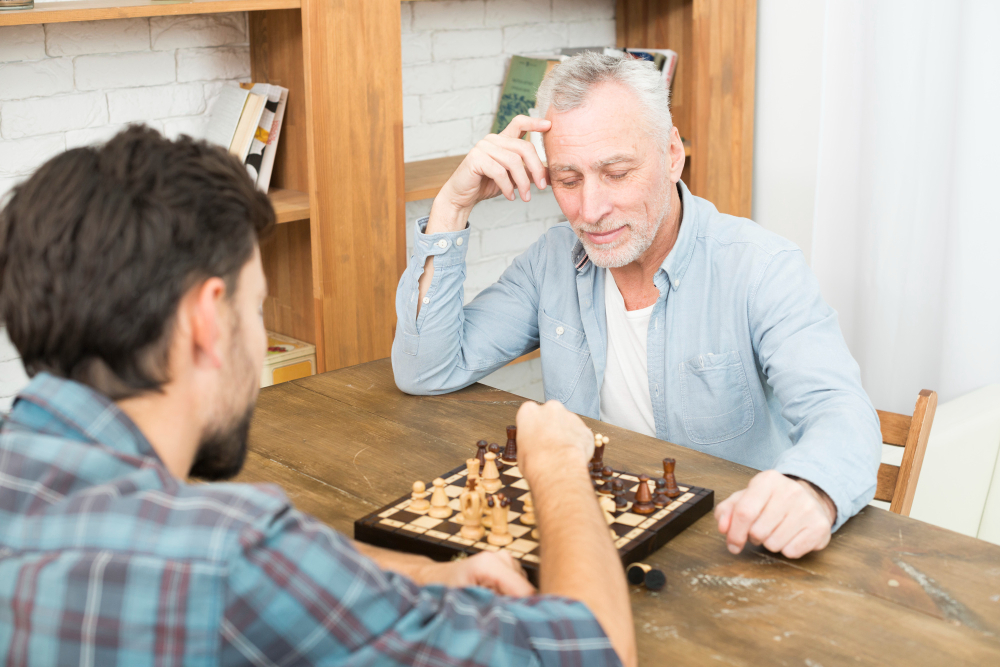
(106, 559)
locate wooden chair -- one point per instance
(897, 484)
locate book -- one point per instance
(664, 59)
(271, 149)
(225, 116)
(524, 76)
(255, 156)
(246, 129)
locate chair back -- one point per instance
(898, 484)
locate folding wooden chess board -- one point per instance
(396, 526)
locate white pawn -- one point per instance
(439, 501)
(491, 476)
(418, 499)
(472, 513)
(499, 535)
(528, 518)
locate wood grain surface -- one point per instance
(99, 10)
(888, 589)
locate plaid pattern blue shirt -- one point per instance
(106, 559)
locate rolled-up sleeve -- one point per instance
(835, 429)
(300, 592)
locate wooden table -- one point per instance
(887, 590)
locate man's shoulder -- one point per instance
(731, 230)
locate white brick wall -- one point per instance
(73, 84)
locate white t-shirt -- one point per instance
(625, 399)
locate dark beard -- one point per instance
(221, 453)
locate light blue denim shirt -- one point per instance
(746, 360)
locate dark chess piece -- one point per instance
(618, 491)
(495, 448)
(660, 498)
(640, 573)
(510, 451)
(668, 473)
(597, 461)
(643, 498)
(606, 475)
(481, 453)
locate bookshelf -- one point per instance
(339, 184)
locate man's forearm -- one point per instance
(580, 561)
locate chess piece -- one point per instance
(643, 498)
(472, 467)
(668, 474)
(418, 499)
(491, 475)
(606, 475)
(528, 518)
(660, 498)
(618, 491)
(481, 452)
(495, 450)
(597, 461)
(499, 535)
(640, 573)
(472, 514)
(510, 451)
(439, 501)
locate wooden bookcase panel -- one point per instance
(97, 10)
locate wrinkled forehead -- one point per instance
(608, 128)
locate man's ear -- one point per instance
(207, 314)
(676, 154)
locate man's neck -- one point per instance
(168, 421)
(635, 280)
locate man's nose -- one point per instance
(595, 201)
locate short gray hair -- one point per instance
(568, 84)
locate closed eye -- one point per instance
(618, 176)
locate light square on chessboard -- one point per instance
(453, 491)
(634, 533)
(458, 539)
(455, 504)
(517, 530)
(392, 523)
(532, 558)
(449, 480)
(520, 484)
(629, 478)
(437, 535)
(388, 513)
(683, 488)
(486, 546)
(523, 545)
(630, 519)
(513, 471)
(426, 522)
(686, 497)
(413, 529)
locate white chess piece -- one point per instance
(439, 501)
(418, 499)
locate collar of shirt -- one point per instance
(69, 409)
(679, 257)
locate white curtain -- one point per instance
(906, 237)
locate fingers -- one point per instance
(528, 154)
(521, 124)
(806, 541)
(724, 511)
(500, 573)
(745, 513)
(487, 166)
(512, 163)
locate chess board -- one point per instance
(397, 527)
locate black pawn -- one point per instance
(510, 450)
(660, 498)
(606, 476)
(481, 454)
(618, 490)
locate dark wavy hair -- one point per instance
(100, 244)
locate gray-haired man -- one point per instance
(652, 310)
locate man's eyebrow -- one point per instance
(614, 159)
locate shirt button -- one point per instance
(442, 244)
(459, 241)
(560, 331)
(677, 283)
(427, 300)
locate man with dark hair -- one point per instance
(131, 283)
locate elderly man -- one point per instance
(653, 311)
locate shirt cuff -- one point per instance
(447, 248)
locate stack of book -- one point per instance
(247, 121)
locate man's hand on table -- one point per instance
(786, 515)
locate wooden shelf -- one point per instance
(96, 10)
(289, 205)
(425, 177)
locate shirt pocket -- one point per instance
(564, 356)
(716, 398)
